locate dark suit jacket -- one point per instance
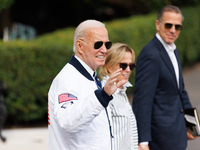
(158, 102)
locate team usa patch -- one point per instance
(66, 97)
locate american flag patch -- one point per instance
(66, 97)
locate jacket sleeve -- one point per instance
(75, 115)
(184, 97)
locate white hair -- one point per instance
(80, 31)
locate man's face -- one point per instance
(169, 35)
(94, 58)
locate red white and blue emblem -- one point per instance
(66, 97)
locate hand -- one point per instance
(143, 147)
(112, 84)
(190, 136)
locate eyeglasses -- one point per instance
(178, 27)
(98, 44)
(124, 66)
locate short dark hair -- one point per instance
(169, 8)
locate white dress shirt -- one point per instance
(170, 51)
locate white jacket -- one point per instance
(80, 123)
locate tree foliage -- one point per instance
(157, 4)
(5, 4)
(146, 6)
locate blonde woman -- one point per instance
(124, 124)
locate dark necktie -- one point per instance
(97, 80)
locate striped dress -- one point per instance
(124, 124)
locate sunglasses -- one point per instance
(98, 44)
(178, 27)
(124, 66)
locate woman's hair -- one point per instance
(82, 29)
(115, 54)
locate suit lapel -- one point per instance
(164, 55)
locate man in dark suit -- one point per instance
(160, 97)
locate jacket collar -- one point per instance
(74, 62)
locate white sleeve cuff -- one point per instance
(145, 143)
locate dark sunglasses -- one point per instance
(98, 44)
(178, 27)
(124, 66)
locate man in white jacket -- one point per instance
(78, 117)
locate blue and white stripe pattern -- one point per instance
(124, 122)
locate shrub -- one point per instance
(28, 67)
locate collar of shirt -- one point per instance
(124, 87)
(89, 70)
(168, 48)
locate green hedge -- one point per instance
(28, 67)
(28, 70)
